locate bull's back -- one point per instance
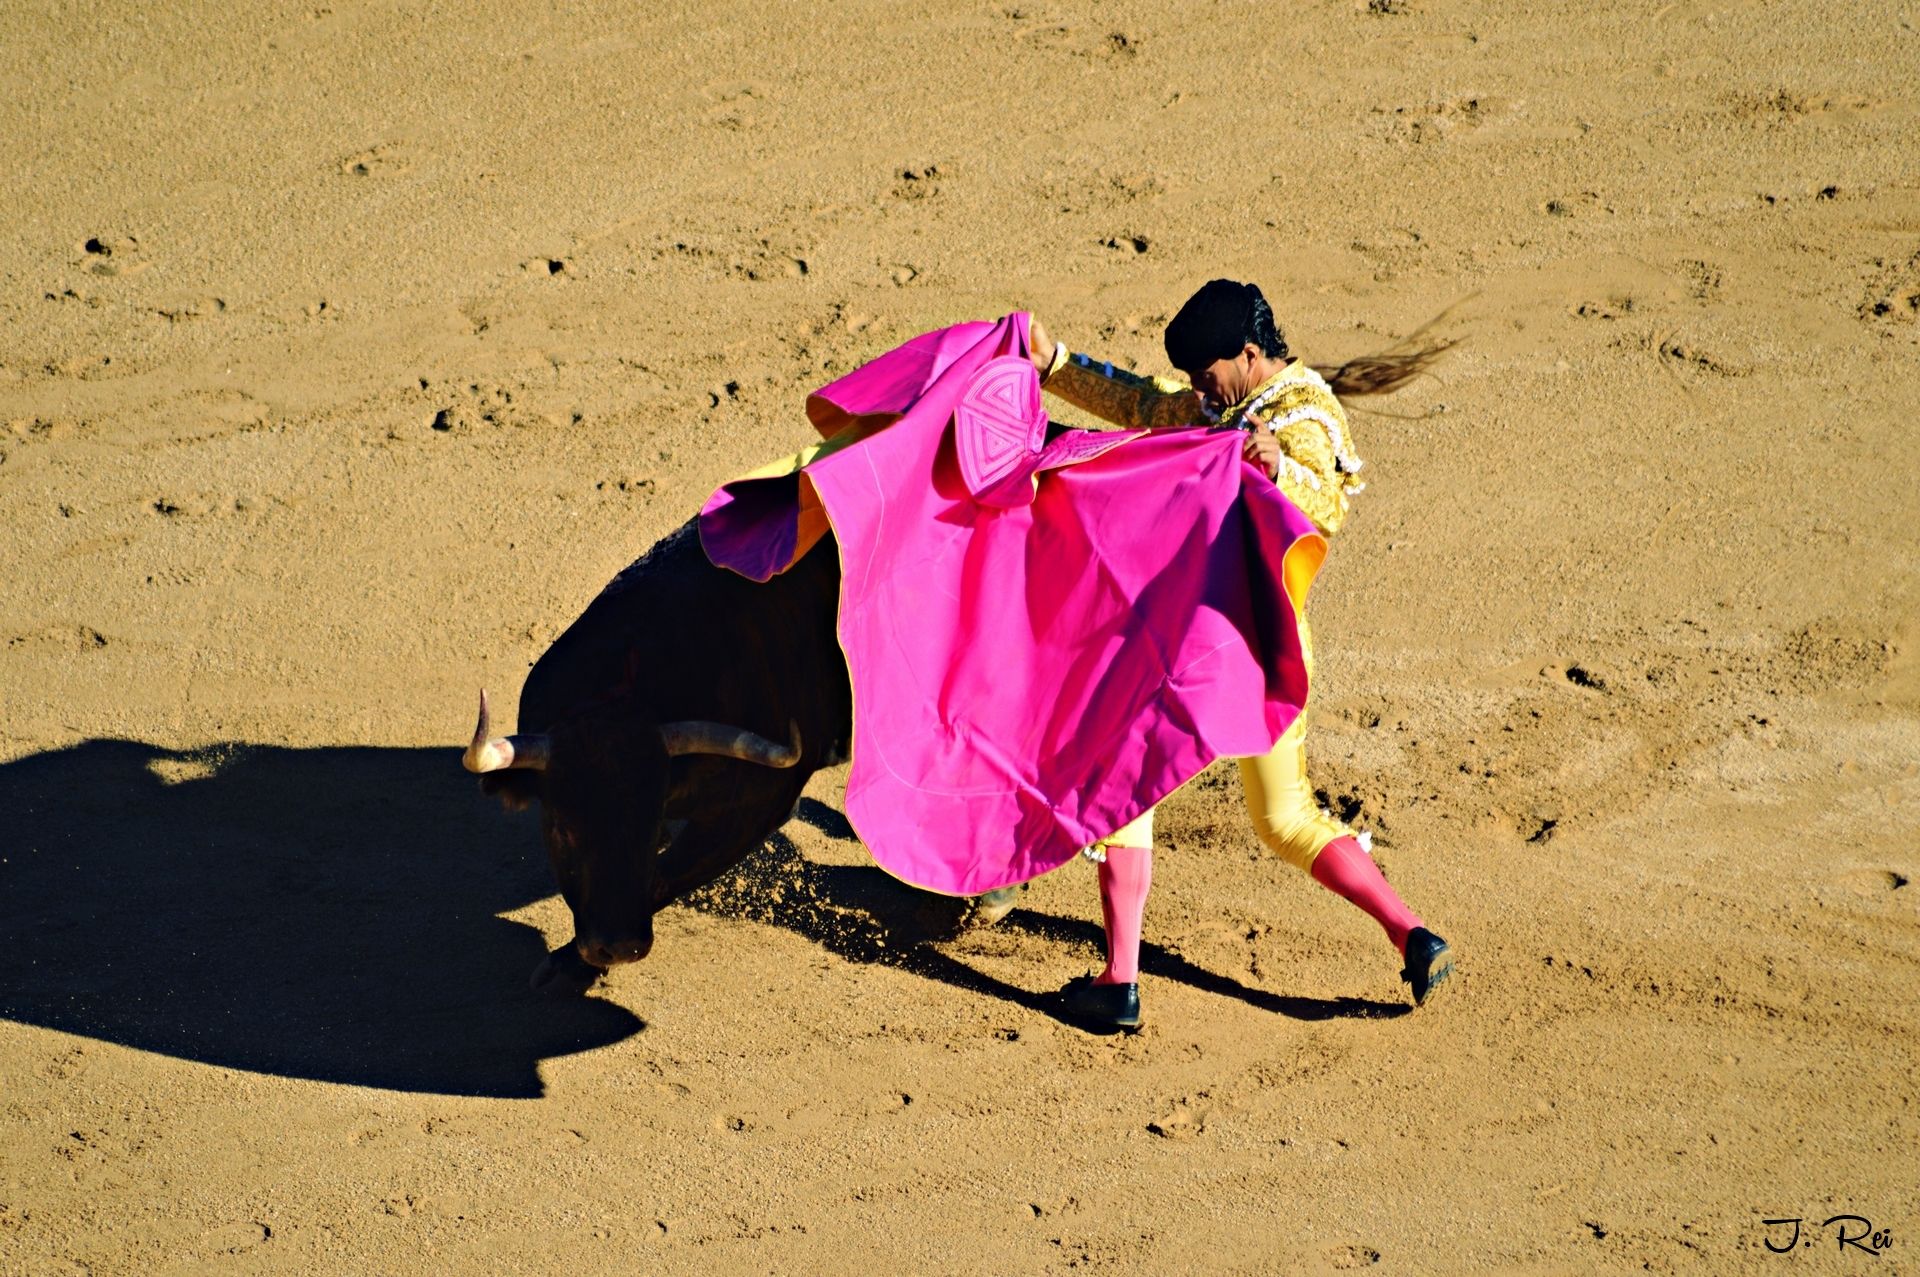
(693, 640)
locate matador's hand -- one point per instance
(1039, 344)
(1262, 448)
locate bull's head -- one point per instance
(601, 776)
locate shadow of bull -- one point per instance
(315, 913)
(331, 914)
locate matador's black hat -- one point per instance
(1217, 323)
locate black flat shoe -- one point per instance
(1101, 1008)
(1429, 961)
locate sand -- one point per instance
(347, 350)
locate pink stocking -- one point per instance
(1125, 876)
(1344, 868)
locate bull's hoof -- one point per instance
(564, 974)
(993, 906)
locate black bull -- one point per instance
(618, 726)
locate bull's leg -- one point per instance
(708, 848)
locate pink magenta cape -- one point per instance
(1044, 640)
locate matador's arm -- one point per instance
(1121, 397)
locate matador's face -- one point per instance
(1225, 382)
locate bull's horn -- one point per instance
(696, 737)
(490, 753)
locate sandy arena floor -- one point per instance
(347, 350)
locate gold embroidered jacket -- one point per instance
(1317, 463)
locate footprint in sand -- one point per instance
(236, 1239)
(736, 107)
(199, 505)
(1348, 1257)
(387, 159)
(34, 430)
(185, 311)
(1434, 121)
(1691, 362)
(1785, 105)
(488, 404)
(632, 485)
(72, 295)
(1893, 293)
(112, 255)
(1874, 882)
(72, 638)
(1113, 47)
(79, 367)
(770, 262)
(1132, 325)
(402, 1205)
(69, 1064)
(917, 182)
(1184, 1119)
(1608, 308)
(1589, 677)
(172, 578)
(1132, 184)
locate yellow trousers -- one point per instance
(1279, 801)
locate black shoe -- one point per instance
(1429, 961)
(1102, 1008)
